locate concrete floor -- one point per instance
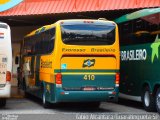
(31, 108)
(16, 93)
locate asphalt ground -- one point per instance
(20, 108)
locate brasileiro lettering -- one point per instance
(139, 54)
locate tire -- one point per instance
(148, 100)
(24, 85)
(27, 95)
(2, 102)
(157, 100)
(45, 103)
(92, 104)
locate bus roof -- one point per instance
(137, 14)
(47, 27)
(41, 29)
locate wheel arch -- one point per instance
(155, 89)
(144, 85)
(151, 106)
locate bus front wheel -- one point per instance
(2, 102)
(158, 100)
(148, 100)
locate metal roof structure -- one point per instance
(40, 7)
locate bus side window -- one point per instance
(38, 44)
(33, 45)
(49, 37)
(140, 34)
(139, 25)
(144, 31)
(41, 43)
(40, 39)
(44, 42)
(125, 31)
(52, 39)
(27, 46)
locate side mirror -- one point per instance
(16, 60)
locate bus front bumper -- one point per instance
(5, 91)
(86, 96)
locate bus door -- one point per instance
(88, 73)
(28, 69)
(34, 76)
(32, 71)
(37, 72)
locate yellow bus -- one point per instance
(72, 61)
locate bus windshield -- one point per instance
(88, 34)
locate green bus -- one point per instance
(140, 57)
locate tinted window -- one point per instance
(88, 34)
(40, 43)
(27, 46)
(3, 26)
(140, 31)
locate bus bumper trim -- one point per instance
(5, 91)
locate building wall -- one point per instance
(17, 34)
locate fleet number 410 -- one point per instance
(89, 77)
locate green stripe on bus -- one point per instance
(86, 71)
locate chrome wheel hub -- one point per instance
(158, 100)
(44, 99)
(146, 98)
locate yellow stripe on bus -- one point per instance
(73, 73)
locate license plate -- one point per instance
(88, 89)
